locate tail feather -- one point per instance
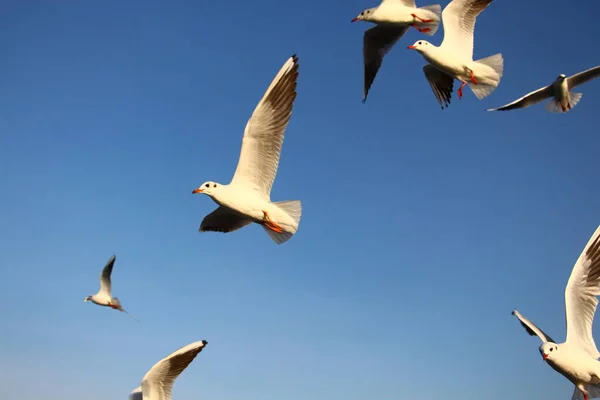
(293, 208)
(433, 26)
(496, 63)
(554, 105)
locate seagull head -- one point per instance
(365, 15)
(420, 45)
(548, 350)
(87, 298)
(561, 77)
(208, 188)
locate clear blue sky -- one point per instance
(422, 228)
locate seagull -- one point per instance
(247, 198)
(157, 384)
(393, 19)
(454, 57)
(104, 297)
(559, 90)
(577, 357)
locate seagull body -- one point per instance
(247, 198)
(104, 295)
(577, 357)
(393, 19)
(453, 59)
(562, 99)
(157, 384)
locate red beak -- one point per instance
(411, 47)
(197, 191)
(544, 356)
(354, 19)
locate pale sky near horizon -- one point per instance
(422, 228)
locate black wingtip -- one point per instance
(294, 58)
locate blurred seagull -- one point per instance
(104, 297)
(576, 358)
(247, 198)
(560, 91)
(393, 19)
(157, 384)
(453, 59)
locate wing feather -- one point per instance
(580, 296)
(105, 284)
(531, 328)
(528, 100)
(265, 130)
(459, 23)
(223, 220)
(441, 84)
(583, 77)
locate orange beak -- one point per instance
(197, 191)
(411, 47)
(354, 19)
(544, 356)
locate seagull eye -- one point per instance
(207, 185)
(215, 185)
(551, 349)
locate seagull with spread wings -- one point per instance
(577, 357)
(157, 384)
(247, 198)
(560, 91)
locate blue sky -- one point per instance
(422, 229)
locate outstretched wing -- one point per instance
(223, 220)
(528, 100)
(105, 285)
(263, 136)
(531, 328)
(580, 296)
(377, 42)
(158, 382)
(441, 84)
(583, 77)
(459, 23)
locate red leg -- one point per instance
(424, 30)
(563, 108)
(460, 93)
(426, 21)
(585, 397)
(473, 77)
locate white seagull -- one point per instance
(157, 384)
(247, 198)
(104, 296)
(454, 57)
(393, 18)
(560, 91)
(577, 357)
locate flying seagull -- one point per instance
(247, 198)
(560, 91)
(104, 296)
(157, 384)
(576, 358)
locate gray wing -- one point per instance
(531, 328)
(377, 42)
(105, 285)
(528, 100)
(441, 84)
(583, 77)
(223, 220)
(161, 377)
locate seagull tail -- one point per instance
(496, 63)
(293, 208)
(554, 105)
(433, 26)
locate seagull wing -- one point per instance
(580, 296)
(136, 394)
(157, 384)
(377, 42)
(441, 84)
(528, 100)
(583, 77)
(105, 286)
(459, 23)
(263, 136)
(223, 220)
(531, 328)
(407, 3)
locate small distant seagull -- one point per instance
(560, 91)
(577, 358)
(157, 384)
(104, 297)
(453, 59)
(247, 198)
(393, 18)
